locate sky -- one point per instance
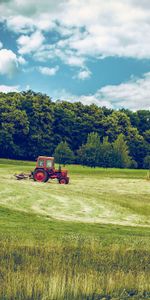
(93, 51)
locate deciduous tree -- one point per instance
(63, 154)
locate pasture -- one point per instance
(86, 240)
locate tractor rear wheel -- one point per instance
(40, 175)
(63, 181)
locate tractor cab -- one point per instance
(44, 162)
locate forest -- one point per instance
(31, 124)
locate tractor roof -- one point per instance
(46, 157)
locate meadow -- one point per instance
(86, 240)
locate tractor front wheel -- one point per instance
(63, 181)
(40, 175)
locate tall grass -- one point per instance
(73, 268)
(57, 260)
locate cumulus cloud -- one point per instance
(27, 88)
(8, 89)
(28, 44)
(133, 95)
(89, 27)
(65, 55)
(84, 29)
(23, 24)
(20, 24)
(9, 62)
(84, 74)
(73, 60)
(48, 71)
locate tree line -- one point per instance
(31, 124)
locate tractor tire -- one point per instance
(63, 181)
(40, 175)
(67, 180)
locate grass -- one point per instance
(93, 195)
(86, 240)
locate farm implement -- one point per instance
(45, 170)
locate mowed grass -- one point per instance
(86, 240)
(93, 195)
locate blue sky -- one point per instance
(92, 51)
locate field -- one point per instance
(86, 240)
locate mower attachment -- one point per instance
(22, 176)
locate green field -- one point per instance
(86, 240)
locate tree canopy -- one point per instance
(31, 124)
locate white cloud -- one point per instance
(21, 60)
(133, 95)
(115, 29)
(48, 71)
(20, 24)
(23, 24)
(27, 88)
(84, 74)
(8, 89)
(45, 23)
(91, 27)
(28, 44)
(90, 99)
(62, 94)
(73, 60)
(9, 62)
(67, 56)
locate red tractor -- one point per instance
(45, 170)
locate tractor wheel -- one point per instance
(40, 175)
(63, 181)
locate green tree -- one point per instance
(39, 109)
(134, 119)
(63, 154)
(146, 135)
(121, 156)
(74, 121)
(116, 123)
(89, 153)
(106, 154)
(147, 165)
(138, 146)
(14, 127)
(31, 125)
(144, 120)
(147, 162)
